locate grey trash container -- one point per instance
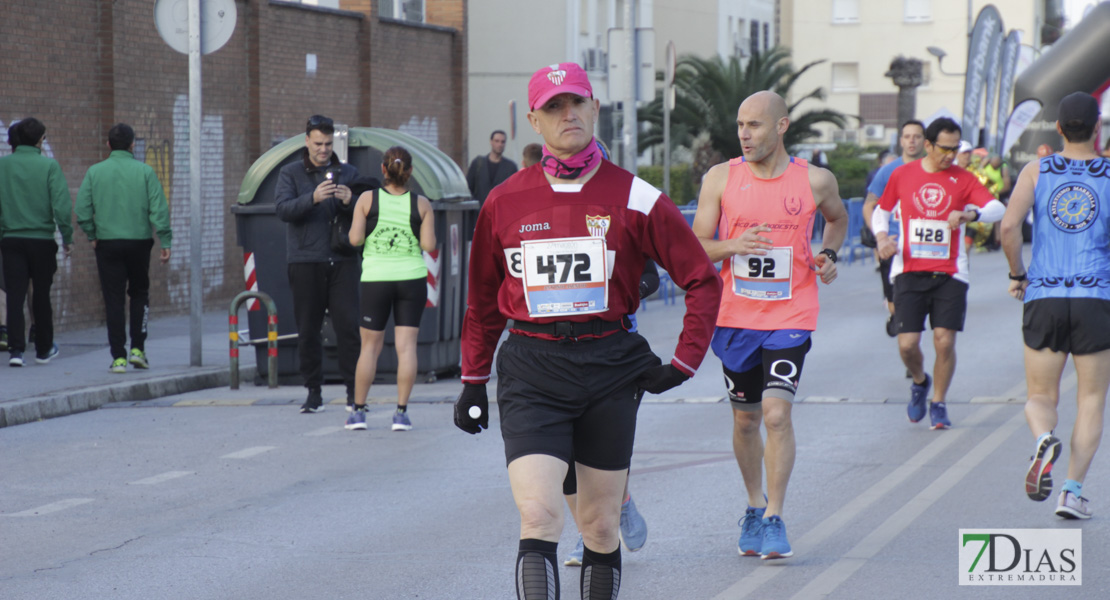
(262, 236)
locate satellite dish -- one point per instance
(217, 23)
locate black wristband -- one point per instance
(829, 252)
(977, 214)
(1021, 277)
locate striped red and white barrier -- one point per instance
(250, 279)
(431, 260)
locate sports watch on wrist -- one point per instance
(829, 252)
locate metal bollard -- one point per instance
(271, 336)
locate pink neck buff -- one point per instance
(574, 167)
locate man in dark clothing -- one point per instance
(310, 193)
(34, 203)
(118, 203)
(487, 172)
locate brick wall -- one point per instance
(81, 66)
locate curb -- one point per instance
(29, 410)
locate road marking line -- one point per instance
(168, 475)
(53, 507)
(216, 402)
(249, 452)
(825, 583)
(834, 522)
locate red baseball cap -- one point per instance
(561, 78)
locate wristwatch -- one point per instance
(829, 252)
(1021, 277)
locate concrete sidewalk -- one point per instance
(78, 379)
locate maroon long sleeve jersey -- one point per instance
(547, 252)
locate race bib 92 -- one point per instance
(764, 277)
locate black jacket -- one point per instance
(308, 225)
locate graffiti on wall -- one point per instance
(426, 129)
(211, 199)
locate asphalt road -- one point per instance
(220, 494)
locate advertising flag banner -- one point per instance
(988, 22)
(1010, 50)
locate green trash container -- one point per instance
(262, 236)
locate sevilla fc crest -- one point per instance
(598, 226)
(557, 76)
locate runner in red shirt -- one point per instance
(929, 268)
(560, 248)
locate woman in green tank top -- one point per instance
(397, 227)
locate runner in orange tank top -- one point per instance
(762, 207)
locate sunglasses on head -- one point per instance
(318, 120)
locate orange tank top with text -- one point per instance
(778, 290)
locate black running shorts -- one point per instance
(777, 375)
(1073, 325)
(572, 400)
(939, 296)
(405, 299)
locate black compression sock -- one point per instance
(402, 409)
(536, 575)
(601, 574)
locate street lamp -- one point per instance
(940, 54)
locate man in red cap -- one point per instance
(559, 248)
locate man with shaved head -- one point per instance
(762, 206)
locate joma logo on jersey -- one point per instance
(598, 226)
(534, 227)
(931, 199)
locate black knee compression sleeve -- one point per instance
(536, 575)
(601, 574)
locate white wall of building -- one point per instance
(859, 38)
(508, 41)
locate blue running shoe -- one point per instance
(751, 532)
(50, 354)
(774, 539)
(356, 421)
(401, 421)
(574, 559)
(918, 393)
(633, 527)
(938, 414)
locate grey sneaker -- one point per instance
(15, 359)
(633, 527)
(574, 559)
(1071, 506)
(1038, 479)
(401, 421)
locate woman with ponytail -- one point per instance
(397, 227)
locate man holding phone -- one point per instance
(310, 193)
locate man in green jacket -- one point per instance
(34, 202)
(118, 203)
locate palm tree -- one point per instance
(709, 90)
